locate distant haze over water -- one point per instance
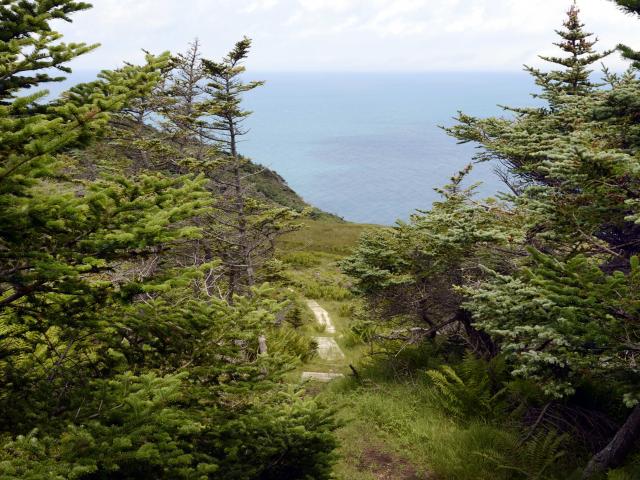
(368, 147)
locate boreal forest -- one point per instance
(171, 309)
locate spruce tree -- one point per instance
(244, 227)
(107, 371)
(186, 120)
(572, 160)
(52, 236)
(191, 123)
(576, 159)
(29, 44)
(549, 273)
(631, 7)
(415, 269)
(226, 88)
(574, 77)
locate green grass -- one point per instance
(326, 236)
(397, 417)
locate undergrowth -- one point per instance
(447, 421)
(423, 410)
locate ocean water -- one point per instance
(369, 147)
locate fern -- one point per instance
(449, 393)
(288, 341)
(532, 460)
(630, 471)
(620, 475)
(467, 392)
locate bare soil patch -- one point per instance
(387, 466)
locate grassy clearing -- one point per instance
(326, 236)
(398, 418)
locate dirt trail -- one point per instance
(322, 316)
(328, 348)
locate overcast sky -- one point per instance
(345, 35)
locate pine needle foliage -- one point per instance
(114, 363)
(409, 273)
(577, 45)
(547, 275)
(631, 7)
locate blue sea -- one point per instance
(369, 147)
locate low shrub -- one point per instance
(301, 259)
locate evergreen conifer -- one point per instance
(112, 365)
(574, 77)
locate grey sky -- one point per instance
(346, 35)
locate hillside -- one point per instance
(270, 184)
(274, 188)
(107, 156)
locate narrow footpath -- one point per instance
(328, 349)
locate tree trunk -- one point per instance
(424, 316)
(262, 345)
(614, 454)
(243, 239)
(482, 344)
(262, 350)
(233, 284)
